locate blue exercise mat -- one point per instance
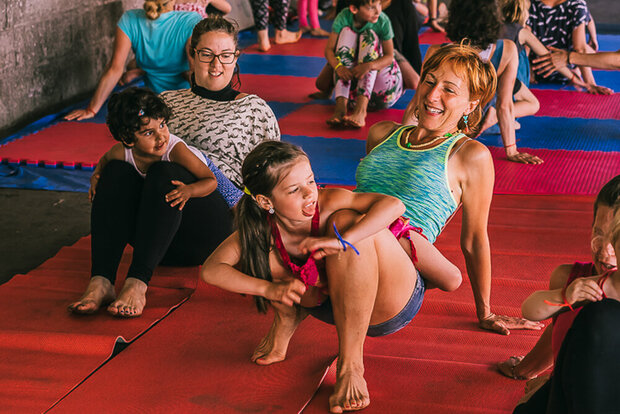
(257, 64)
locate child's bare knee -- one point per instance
(452, 281)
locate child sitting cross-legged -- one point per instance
(361, 51)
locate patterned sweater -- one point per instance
(225, 131)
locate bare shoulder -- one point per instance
(377, 133)
(473, 153)
(117, 152)
(559, 276)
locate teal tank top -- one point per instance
(418, 178)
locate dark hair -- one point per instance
(217, 23)
(477, 20)
(261, 172)
(359, 3)
(131, 109)
(609, 194)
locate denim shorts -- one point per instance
(324, 312)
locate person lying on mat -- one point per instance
(361, 51)
(558, 59)
(224, 123)
(434, 167)
(154, 192)
(478, 22)
(586, 310)
(158, 36)
(540, 358)
(345, 258)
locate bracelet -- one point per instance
(432, 19)
(344, 242)
(337, 66)
(562, 305)
(511, 145)
(88, 110)
(572, 79)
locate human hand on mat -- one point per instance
(344, 73)
(80, 114)
(94, 179)
(503, 324)
(287, 292)
(320, 247)
(599, 90)
(180, 195)
(524, 158)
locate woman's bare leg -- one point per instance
(272, 348)
(366, 289)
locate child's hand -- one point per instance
(179, 196)
(344, 73)
(94, 179)
(286, 292)
(360, 70)
(584, 290)
(598, 89)
(320, 246)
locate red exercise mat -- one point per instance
(289, 88)
(310, 121)
(44, 350)
(563, 172)
(66, 142)
(304, 47)
(573, 104)
(198, 360)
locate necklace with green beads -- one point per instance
(409, 145)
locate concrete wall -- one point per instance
(52, 52)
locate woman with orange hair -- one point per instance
(434, 167)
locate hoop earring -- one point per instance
(465, 117)
(271, 210)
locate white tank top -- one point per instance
(172, 141)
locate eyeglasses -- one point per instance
(206, 56)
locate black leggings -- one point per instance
(260, 9)
(586, 376)
(130, 209)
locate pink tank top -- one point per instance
(563, 321)
(309, 271)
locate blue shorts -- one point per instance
(324, 312)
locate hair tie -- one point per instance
(344, 242)
(141, 112)
(245, 190)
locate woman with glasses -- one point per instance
(159, 38)
(224, 123)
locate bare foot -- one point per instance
(357, 119)
(99, 292)
(340, 113)
(305, 29)
(318, 32)
(489, 120)
(263, 41)
(131, 300)
(284, 36)
(350, 392)
(320, 95)
(508, 367)
(272, 348)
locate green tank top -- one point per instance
(419, 178)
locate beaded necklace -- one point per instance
(409, 145)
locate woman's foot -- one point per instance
(131, 300)
(263, 40)
(350, 392)
(305, 29)
(509, 367)
(284, 36)
(99, 292)
(272, 348)
(318, 32)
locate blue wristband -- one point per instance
(344, 242)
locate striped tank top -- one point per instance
(418, 178)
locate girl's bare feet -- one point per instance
(318, 32)
(357, 119)
(99, 292)
(350, 391)
(272, 348)
(284, 36)
(340, 113)
(131, 300)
